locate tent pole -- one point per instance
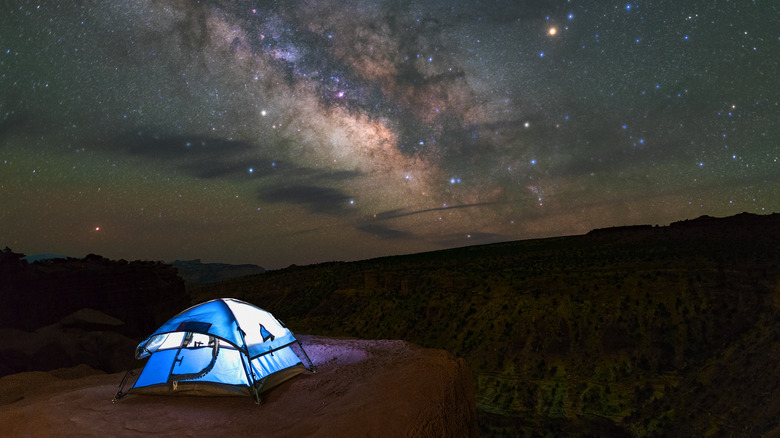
(119, 393)
(258, 400)
(247, 364)
(250, 375)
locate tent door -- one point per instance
(193, 359)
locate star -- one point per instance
(321, 114)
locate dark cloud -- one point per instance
(241, 170)
(218, 158)
(254, 168)
(193, 29)
(179, 148)
(315, 199)
(385, 232)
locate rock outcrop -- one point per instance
(141, 294)
(361, 388)
(86, 336)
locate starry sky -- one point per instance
(297, 132)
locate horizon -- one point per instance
(310, 132)
(31, 258)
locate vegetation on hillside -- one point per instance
(637, 331)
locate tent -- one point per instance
(220, 347)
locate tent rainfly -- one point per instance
(220, 347)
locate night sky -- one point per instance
(308, 131)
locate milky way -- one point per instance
(309, 131)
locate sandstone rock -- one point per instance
(362, 388)
(80, 338)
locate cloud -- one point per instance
(243, 169)
(385, 232)
(315, 199)
(179, 148)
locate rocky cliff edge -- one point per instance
(361, 388)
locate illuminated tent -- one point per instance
(220, 347)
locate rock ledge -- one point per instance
(361, 388)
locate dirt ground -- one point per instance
(361, 388)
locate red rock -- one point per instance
(361, 388)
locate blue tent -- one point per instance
(220, 347)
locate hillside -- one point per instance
(630, 331)
(194, 272)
